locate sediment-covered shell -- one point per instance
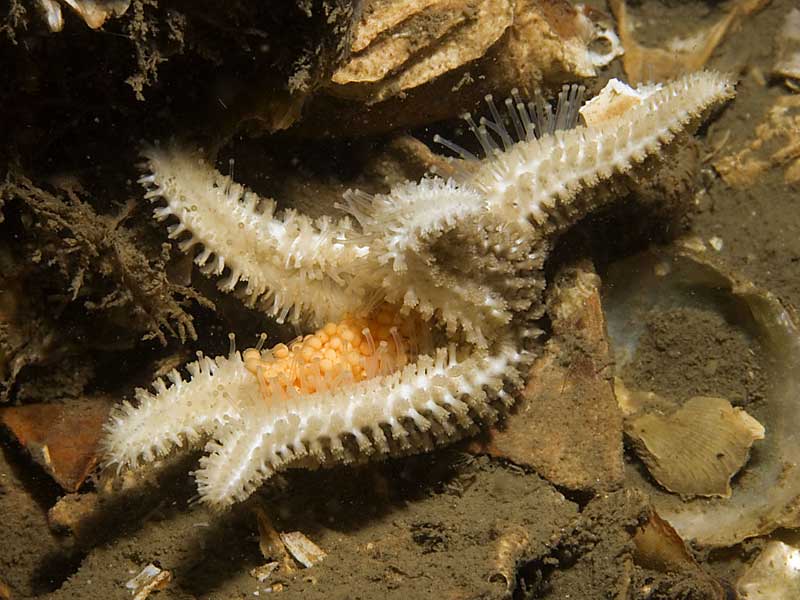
(767, 495)
(696, 450)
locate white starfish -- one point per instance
(463, 254)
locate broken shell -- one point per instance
(565, 35)
(774, 575)
(681, 55)
(264, 572)
(93, 12)
(62, 438)
(659, 547)
(698, 449)
(787, 63)
(150, 579)
(279, 546)
(270, 542)
(632, 401)
(51, 12)
(613, 100)
(304, 551)
(767, 495)
(510, 549)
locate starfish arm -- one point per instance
(433, 400)
(293, 266)
(405, 221)
(434, 276)
(456, 302)
(536, 178)
(179, 415)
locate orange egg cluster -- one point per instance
(349, 351)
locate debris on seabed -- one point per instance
(281, 547)
(400, 45)
(681, 55)
(510, 549)
(71, 514)
(306, 552)
(613, 100)
(567, 425)
(774, 575)
(269, 541)
(93, 13)
(263, 572)
(717, 243)
(149, 580)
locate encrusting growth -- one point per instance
(425, 298)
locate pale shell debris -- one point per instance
(304, 551)
(399, 46)
(263, 572)
(614, 100)
(774, 575)
(698, 449)
(150, 579)
(509, 551)
(93, 12)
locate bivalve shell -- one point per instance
(766, 496)
(698, 449)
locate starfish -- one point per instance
(425, 299)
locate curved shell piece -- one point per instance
(698, 449)
(767, 496)
(681, 54)
(613, 101)
(774, 575)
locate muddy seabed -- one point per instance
(94, 303)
